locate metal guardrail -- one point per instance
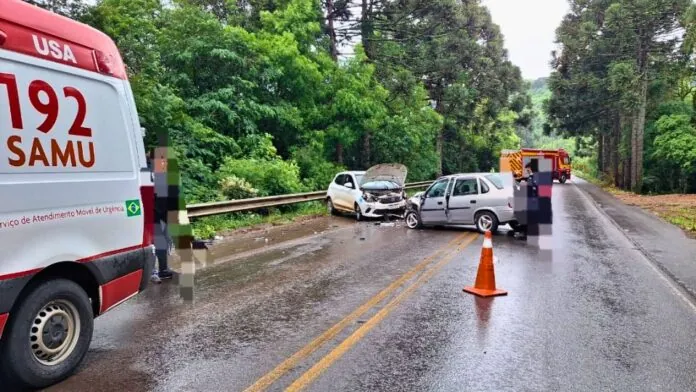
(226, 207)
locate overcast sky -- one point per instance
(528, 27)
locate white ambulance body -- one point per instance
(75, 192)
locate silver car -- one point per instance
(480, 199)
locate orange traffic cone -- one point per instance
(485, 278)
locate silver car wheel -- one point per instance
(411, 220)
(485, 222)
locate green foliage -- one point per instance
(316, 172)
(620, 62)
(233, 188)
(255, 104)
(70, 8)
(208, 227)
(270, 177)
(586, 167)
(675, 144)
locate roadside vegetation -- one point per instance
(265, 97)
(209, 227)
(677, 209)
(624, 88)
(624, 80)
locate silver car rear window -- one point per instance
(495, 180)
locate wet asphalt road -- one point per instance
(597, 316)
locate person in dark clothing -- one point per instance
(526, 213)
(162, 200)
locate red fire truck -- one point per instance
(515, 160)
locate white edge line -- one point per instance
(676, 287)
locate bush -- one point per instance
(269, 177)
(198, 182)
(585, 166)
(316, 171)
(233, 188)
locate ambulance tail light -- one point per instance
(104, 62)
(147, 195)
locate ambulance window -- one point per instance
(70, 123)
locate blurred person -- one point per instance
(163, 241)
(526, 197)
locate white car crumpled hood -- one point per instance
(394, 172)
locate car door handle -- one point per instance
(439, 203)
(472, 201)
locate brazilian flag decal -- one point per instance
(133, 207)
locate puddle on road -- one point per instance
(247, 240)
(245, 243)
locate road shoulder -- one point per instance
(666, 245)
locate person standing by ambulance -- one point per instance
(162, 238)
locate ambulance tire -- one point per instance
(18, 356)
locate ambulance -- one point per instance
(76, 196)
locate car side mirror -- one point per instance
(348, 185)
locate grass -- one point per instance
(677, 209)
(684, 218)
(411, 192)
(208, 227)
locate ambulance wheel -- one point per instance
(486, 220)
(563, 178)
(47, 336)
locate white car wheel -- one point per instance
(330, 207)
(358, 213)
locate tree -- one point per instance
(74, 9)
(616, 57)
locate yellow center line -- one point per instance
(310, 375)
(270, 377)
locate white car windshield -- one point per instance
(359, 178)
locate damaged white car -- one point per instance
(374, 193)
